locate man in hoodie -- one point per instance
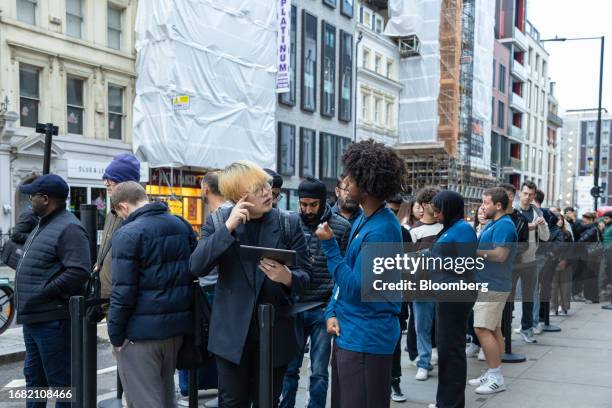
(527, 271)
(313, 301)
(124, 167)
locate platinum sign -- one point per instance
(284, 45)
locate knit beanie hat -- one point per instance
(124, 167)
(312, 188)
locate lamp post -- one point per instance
(596, 190)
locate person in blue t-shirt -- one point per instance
(497, 244)
(366, 333)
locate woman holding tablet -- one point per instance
(246, 283)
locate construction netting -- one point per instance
(205, 93)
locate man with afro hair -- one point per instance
(366, 333)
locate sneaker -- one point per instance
(213, 403)
(183, 401)
(491, 386)
(472, 350)
(481, 355)
(528, 336)
(475, 382)
(434, 356)
(421, 374)
(517, 330)
(432, 406)
(396, 393)
(538, 328)
(414, 362)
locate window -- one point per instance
(328, 70)
(330, 3)
(533, 159)
(26, 11)
(378, 24)
(29, 97)
(286, 149)
(389, 69)
(307, 152)
(494, 69)
(528, 95)
(501, 113)
(389, 116)
(74, 98)
(378, 64)
(502, 78)
(536, 97)
(115, 112)
(366, 18)
(542, 102)
(378, 110)
(347, 8)
(309, 61)
(332, 147)
(365, 107)
(366, 58)
(74, 18)
(114, 16)
(346, 75)
(288, 98)
(540, 160)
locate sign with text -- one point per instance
(284, 46)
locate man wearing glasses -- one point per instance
(345, 206)
(55, 266)
(277, 184)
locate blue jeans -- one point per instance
(536, 293)
(320, 350)
(424, 315)
(47, 357)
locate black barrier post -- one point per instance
(509, 356)
(77, 313)
(89, 213)
(266, 325)
(193, 388)
(49, 130)
(551, 328)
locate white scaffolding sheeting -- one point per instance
(484, 38)
(206, 78)
(419, 75)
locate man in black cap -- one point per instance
(311, 304)
(277, 184)
(55, 266)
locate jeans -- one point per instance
(527, 273)
(424, 316)
(536, 296)
(320, 350)
(47, 358)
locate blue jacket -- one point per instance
(365, 327)
(151, 296)
(459, 240)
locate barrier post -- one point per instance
(509, 356)
(77, 314)
(266, 323)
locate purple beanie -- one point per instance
(124, 167)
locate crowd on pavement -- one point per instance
(171, 289)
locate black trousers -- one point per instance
(452, 365)
(411, 337)
(528, 275)
(239, 383)
(396, 367)
(360, 380)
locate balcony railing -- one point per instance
(555, 119)
(517, 133)
(517, 102)
(520, 39)
(519, 71)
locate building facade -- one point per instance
(70, 63)
(553, 147)
(377, 85)
(315, 119)
(500, 111)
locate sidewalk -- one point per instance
(568, 369)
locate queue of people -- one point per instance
(152, 266)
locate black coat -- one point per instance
(236, 295)
(55, 265)
(26, 224)
(152, 287)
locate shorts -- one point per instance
(489, 308)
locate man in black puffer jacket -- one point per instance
(150, 303)
(55, 266)
(311, 304)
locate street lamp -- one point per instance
(596, 190)
(356, 58)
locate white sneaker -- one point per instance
(213, 403)
(528, 336)
(475, 382)
(414, 362)
(481, 355)
(183, 401)
(491, 386)
(434, 356)
(472, 350)
(432, 406)
(421, 374)
(538, 329)
(517, 330)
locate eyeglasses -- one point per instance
(277, 196)
(260, 191)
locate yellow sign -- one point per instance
(180, 102)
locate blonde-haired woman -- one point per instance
(244, 284)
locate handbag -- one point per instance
(11, 254)
(194, 350)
